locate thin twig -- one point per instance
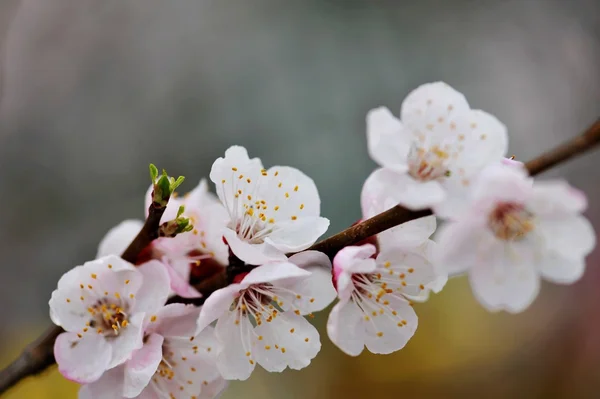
(39, 355)
(572, 148)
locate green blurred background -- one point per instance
(94, 90)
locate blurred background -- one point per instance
(91, 92)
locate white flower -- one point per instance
(515, 232)
(430, 156)
(102, 305)
(197, 252)
(175, 361)
(260, 317)
(410, 237)
(374, 309)
(272, 212)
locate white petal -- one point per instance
(235, 342)
(116, 241)
(296, 196)
(175, 320)
(84, 285)
(225, 172)
(561, 270)
(293, 343)
(498, 183)
(352, 259)
(276, 273)
(297, 235)
(129, 340)
(200, 197)
(405, 272)
(389, 332)
(142, 366)
(554, 198)
(390, 188)
(429, 251)
(388, 142)
(111, 274)
(462, 245)
(214, 389)
(82, 360)
(109, 386)
(485, 141)
(408, 235)
(179, 282)
(344, 327)
(508, 280)
(571, 237)
(316, 291)
(307, 259)
(154, 292)
(194, 363)
(254, 254)
(217, 304)
(431, 108)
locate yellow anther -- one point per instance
(94, 276)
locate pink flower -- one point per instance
(197, 252)
(259, 319)
(516, 232)
(102, 306)
(200, 251)
(410, 237)
(374, 309)
(271, 212)
(430, 156)
(175, 362)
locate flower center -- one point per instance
(107, 317)
(510, 221)
(427, 164)
(258, 302)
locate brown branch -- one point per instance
(570, 149)
(147, 234)
(39, 354)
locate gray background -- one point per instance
(93, 91)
